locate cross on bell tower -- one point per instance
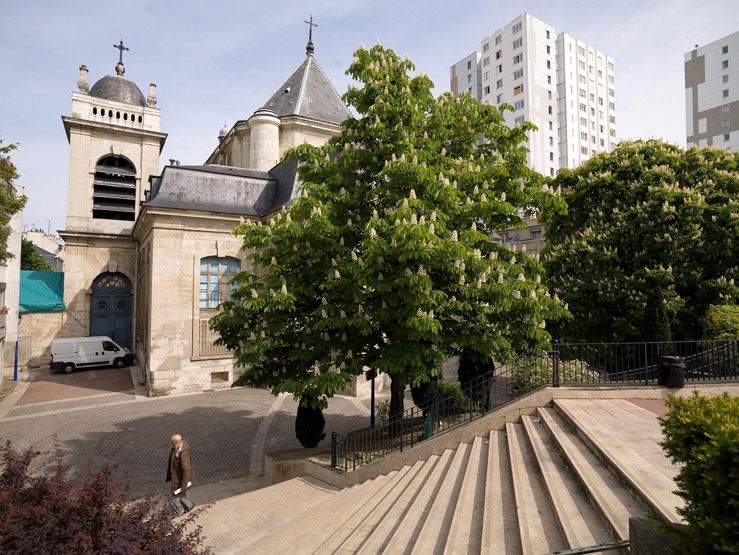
(309, 47)
(120, 68)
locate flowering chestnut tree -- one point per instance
(649, 242)
(387, 261)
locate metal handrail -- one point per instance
(569, 364)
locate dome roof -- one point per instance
(118, 89)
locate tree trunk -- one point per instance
(397, 396)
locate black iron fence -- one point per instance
(570, 364)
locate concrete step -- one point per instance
(384, 530)
(607, 494)
(301, 494)
(647, 481)
(433, 534)
(406, 531)
(465, 532)
(579, 523)
(500, 523)
(308, 530)
(350, 536)
(537, 524)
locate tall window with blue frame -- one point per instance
(215, 277)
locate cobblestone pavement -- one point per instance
(134, 432)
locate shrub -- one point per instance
(527, 375)
(721, 322)
(472, 365)
(701, 434)
(309, 423)
(383, 410)
(50, 512)
(449, 396)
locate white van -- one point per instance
(70, 353)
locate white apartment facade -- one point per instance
(543, 76)
(712, 94)
(465, 75)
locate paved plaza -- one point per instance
(94, 416)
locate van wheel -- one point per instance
(119, 363)
(68, 368)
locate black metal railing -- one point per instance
(570, 364)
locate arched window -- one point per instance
(215, 275)
(114, 189)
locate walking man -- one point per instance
(179, 472)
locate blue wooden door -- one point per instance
(110, 312)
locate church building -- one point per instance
(149, 256)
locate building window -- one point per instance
(583, 108)
(469, 65)
(486, 47)
(581, 78)
(499, 84)
(592, 112)
(725, 92)
(497, 40)
(549, 49)
(602, 143)
(592, 139)
(580, 50)
(582, 93)
(551, 156)
(486, 75)
(215, 277)
(549, 64)
(487, 89)
(518, 89)
(536, 233)
(724, 64)
(600, 74)
(583, 136)
(499, 69)
(724, 78)
(548, 35)
(581, 65)
(518, 105)
(613, 133)
(518, 120)
(549, 94)
(551, 126)
(517, 43)
(611, 92)
(469, 78)
(517, 58)
(611, 106)
(114, 189)
(518, 74)
(499, 99)
(612, 119)
(600, 101)
(517, 28)
(610, 66)
(727, 136)
(725, 123)
(485, 62)
(469, 90)
(583, 121)
(551, 141)
(550, 110)
(725, 108)
(549, 79)
(611, 79)
(725, 49)
(498, 54)
(583, 150)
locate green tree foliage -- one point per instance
(721, 322)
(31, 259)
(649, 242)
(10, 202)
(701, 435)
(386, 261)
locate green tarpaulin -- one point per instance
(41, 291)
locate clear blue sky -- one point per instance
(219, 61)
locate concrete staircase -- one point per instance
(567, 477)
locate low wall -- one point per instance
(282, 466)
(36, 330)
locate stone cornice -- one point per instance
(70, 122)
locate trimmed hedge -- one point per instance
(701, 434)
(527, 376)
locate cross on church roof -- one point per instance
(309, 47)
(119, 68)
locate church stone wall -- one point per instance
(175, 363)
(86, 258)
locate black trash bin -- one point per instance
(671, 371)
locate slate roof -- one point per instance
(308, 93)
(119, 89)
(224, 189)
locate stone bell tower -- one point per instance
(114, 146)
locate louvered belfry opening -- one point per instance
(114, 189)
